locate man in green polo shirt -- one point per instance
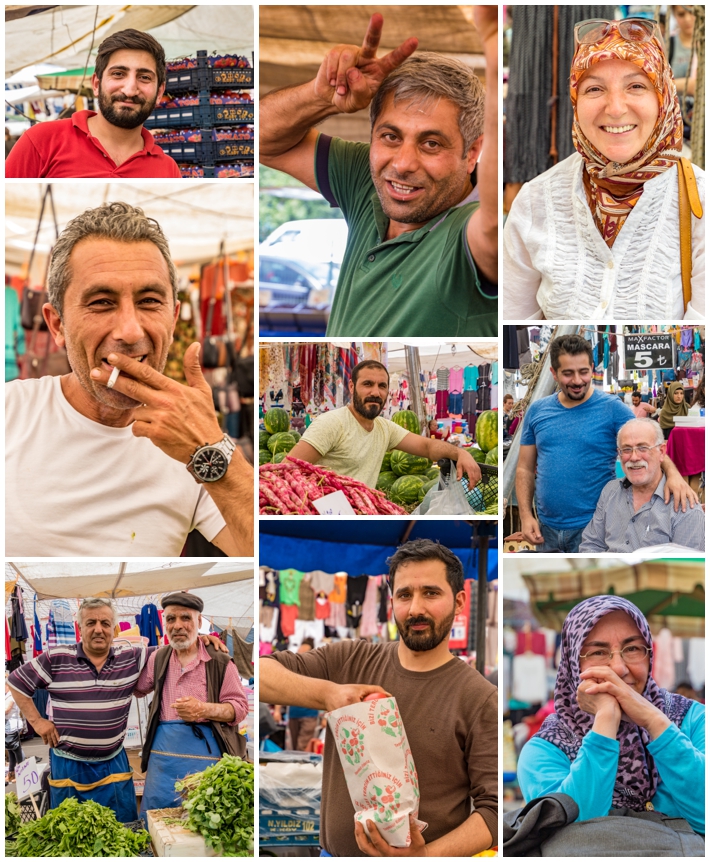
(422, 252)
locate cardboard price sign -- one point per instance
(28, 778)
(335, 505)
(655, 350)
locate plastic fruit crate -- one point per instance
(203, 116)
(206, 77)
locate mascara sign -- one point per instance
(642, 352)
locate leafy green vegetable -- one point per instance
(13, 820)
(220, 805)
(78, 829)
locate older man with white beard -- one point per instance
(631, 512)
(198, 701)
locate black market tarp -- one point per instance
(361, 547)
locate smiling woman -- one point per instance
(598, 234)
(616, 740)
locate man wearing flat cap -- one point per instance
(198, 701)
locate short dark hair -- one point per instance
(367, 363)
(507, 396)
(635, 394)
(133, 40)
(420, 550)
(572, 345)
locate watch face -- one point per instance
(210, 464)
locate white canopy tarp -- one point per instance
(63, 34)
(193, 216)
(435, 354)
(227, 588)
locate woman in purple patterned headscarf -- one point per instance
(616, 740)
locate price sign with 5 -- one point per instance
(28, 777)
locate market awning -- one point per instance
(65, 585)
(63, 34)
(293, 40)
(361, 547)
(668, 592)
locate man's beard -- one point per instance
(125, 119)
(368, 408)
(182, 644)
(428, 639)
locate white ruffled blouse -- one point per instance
(556, 264)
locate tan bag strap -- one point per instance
(688, 201)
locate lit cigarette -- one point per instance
(113, 378)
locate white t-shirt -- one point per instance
(346, 447)
(74, 487)
(556, 263)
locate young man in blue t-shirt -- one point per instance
(568, 452)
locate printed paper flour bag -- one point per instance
(378, 765)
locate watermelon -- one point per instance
(279, 456)
(264, 439)
(433, 473)
(386, 462)
(282, 442)
(264, 456)
(276, 420)
(407, 419)
(427, 486)
(477, 455)
(385, 480)
(492, 456)
(406, 490)
(404, 464)
(487, 430)
(296, 436)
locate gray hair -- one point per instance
(644, 423)
(117, 221)
(426, 76)
(90, 604)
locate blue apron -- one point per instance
(108, 782)
(178, 749)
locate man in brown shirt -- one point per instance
(449, 711)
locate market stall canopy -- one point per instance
(293, 40)
(361, 547)
(669, 593)
(434, 354)
(64, 582)
(227, 588)
(63, 34)
(194, 217)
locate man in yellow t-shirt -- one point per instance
(353, 440)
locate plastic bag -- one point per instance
(451, 500)
(378, 766)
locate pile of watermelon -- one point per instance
(278, 439)
(406, 479)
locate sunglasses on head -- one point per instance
(631, 29)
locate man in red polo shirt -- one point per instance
(128, 80)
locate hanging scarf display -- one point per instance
(613, 189)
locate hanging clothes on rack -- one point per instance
(149, 624)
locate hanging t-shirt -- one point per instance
(289, 584)
(306, 599)
(370, 606)
(383, 613)
(470, 377)
(455, 403)
(456, 379)
(271, 588)
(322, 582)
(442, 378)
(339, 593)
(356, 588)
(289, 614)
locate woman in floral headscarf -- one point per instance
(616, 740)
(597, 236)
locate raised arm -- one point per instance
(482, 231)
(346, 81)
(525, 491)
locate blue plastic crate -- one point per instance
(206, 77)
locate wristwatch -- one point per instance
(209, 463)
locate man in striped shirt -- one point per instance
(91, 685)
(631, 512)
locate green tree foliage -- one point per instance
(274, 211)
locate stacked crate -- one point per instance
(212, 136)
